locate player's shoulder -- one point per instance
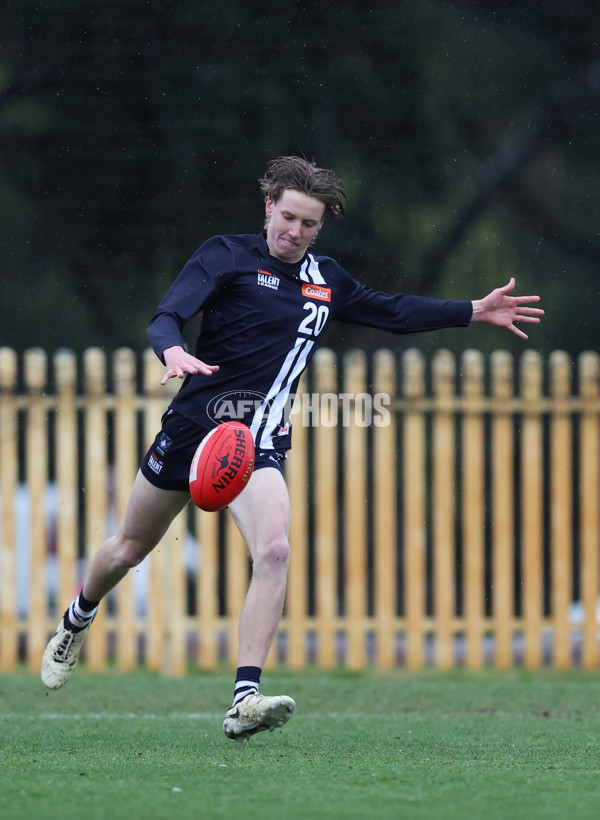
(223, 254)
(231, 243)
(328, 261)
(327, 267)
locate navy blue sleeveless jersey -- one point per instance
(261, 323)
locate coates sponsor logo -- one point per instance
(317, 292)
(235, 405)
(268, 280)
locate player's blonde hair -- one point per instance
(298, 174)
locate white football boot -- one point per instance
(257, 713)
(61, 656)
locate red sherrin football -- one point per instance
(221, 466)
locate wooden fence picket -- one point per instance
(9, 460)
(473, 506)
(414, 507)
(354, 465)
(532, 523)
(65, 369)
(326, 504)
(35, 369)
(503, 526)
(385, 503)
(590, 508)
(443, 500)
(561, 505)
(97, 478)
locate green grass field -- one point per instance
(368, 745)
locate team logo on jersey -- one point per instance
(316, 292)
(268, 280)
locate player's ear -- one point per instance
(269, 206)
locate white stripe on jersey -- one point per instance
(309, 272)
(278, 395)
(275, 401)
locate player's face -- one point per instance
(294, 221)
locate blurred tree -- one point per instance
(467, 134)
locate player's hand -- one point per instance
(179, 362)
(498, 308)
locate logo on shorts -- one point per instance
(164, 443)
(154, 464)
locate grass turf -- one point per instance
(430, 745)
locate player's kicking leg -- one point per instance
(149, 513)
(262, 514)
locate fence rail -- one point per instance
(461, 525)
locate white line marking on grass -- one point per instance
(119, 716)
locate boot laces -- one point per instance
(61, 652)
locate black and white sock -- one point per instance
(80, 614)
(247, 681)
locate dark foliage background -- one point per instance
(467, 135)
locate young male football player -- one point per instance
(265, 302)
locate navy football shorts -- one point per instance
(167, 462)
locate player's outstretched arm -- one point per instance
(179, 362)
(499, 308)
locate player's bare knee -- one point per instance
(128, 560)
(128, 554)
(273, 556)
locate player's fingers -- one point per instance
(509, 286)
(530, 311)
(206, 369)
(518, 332)
(522, 317)
(523, 300)
(168, 375)
(192, 367)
